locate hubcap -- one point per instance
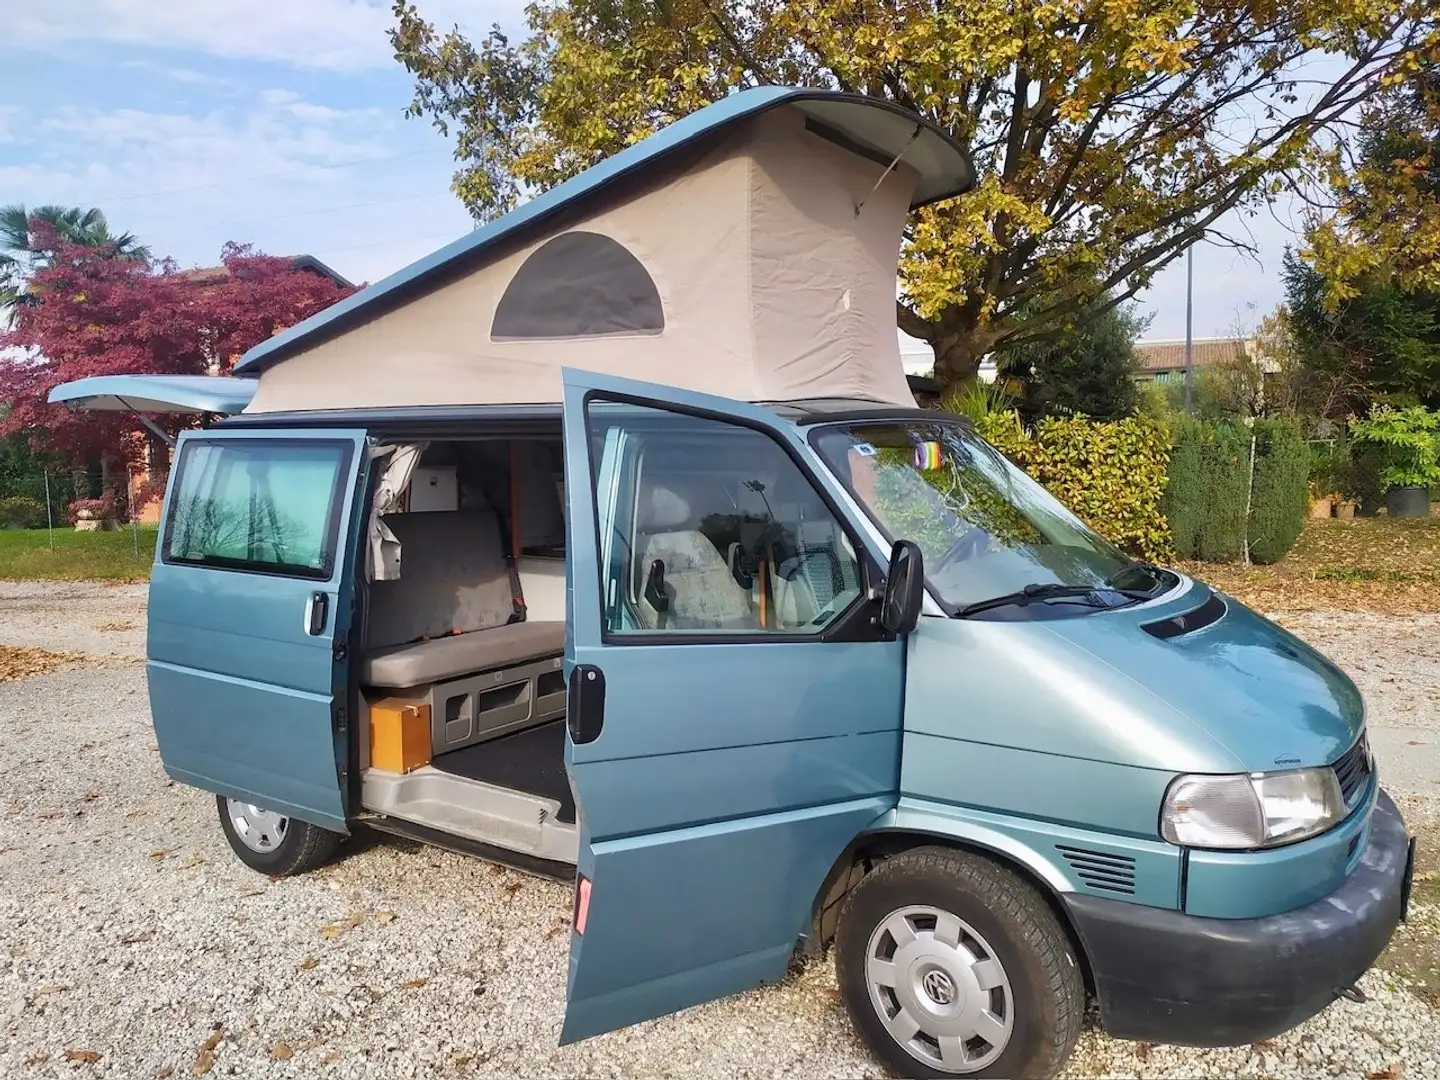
(939, 989)
(259, 830)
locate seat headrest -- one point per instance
(664, 509)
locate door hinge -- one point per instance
(341, 720)
(341, 652)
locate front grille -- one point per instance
(1102, 871)
(1353, 771)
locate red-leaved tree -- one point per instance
(95, 315)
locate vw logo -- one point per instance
(938, 987)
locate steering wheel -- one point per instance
(974, 541)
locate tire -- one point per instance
(273, 844)
(1006, 999)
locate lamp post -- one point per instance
(1189, 319)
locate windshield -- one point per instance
(984, 527)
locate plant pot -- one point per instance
(1321, 508)
(1345, 510)
(1409, 502)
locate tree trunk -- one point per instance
(958, 356)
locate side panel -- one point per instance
(243, 676)
(736, 759)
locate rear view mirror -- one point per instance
(904, 588)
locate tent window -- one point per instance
(579, 284)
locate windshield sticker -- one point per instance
(928, 457)
(864, 449)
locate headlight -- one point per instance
(1251, 811)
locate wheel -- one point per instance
(952, 965)
(273, 843)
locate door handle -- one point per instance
(317, 610)
(585, 703)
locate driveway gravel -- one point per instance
(134, 944)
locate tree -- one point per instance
(1090, 371)
(26, 241)
(95, 315)
(1109, 137)
(1380, 342)
(1382, 224)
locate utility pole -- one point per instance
(1189, 320)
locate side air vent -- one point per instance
(1210, 611)
(1102, 871)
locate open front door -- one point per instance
(734, 713)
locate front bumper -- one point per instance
(1164, 976)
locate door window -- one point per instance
(260, 505)
(708, 527)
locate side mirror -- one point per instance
(904, 588)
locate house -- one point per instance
(1164, 361)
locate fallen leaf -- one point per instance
(191, 863)
(159, 855)
(52, 988)
(164, 1072)
(308, 963)
(282, 1052)
(1142, 1051)
(1390, 1072)
(330, 1056)
(412, 984)
(385, 916)
(88, 1056)
(205, 1059)
(91, 796)
(19, 662)
(513, 887)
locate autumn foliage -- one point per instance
(95, 315)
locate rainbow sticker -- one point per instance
(927, 456)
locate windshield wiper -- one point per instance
(1035, 592)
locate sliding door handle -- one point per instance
(317, 612)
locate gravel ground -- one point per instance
(134, 944)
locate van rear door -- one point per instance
(734, 714)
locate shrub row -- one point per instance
(1157, 492)
(1112, 475)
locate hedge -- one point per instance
(21, 512)
(1280, 496)
(1205, 498)
(1111, 474)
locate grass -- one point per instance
(26, 554)
(1382, 564)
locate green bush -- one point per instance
(1111, 474)
(1280, 495)
(20, 512)
(1410, 439)
(1204, 500)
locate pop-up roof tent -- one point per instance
(747, 250)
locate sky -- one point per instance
(282, 124)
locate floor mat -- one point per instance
(532, 761)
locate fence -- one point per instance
(41, 500)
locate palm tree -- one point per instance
(21, 254)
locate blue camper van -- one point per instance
(797, 666)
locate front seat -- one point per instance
(702, 594)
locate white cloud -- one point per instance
(331, 34)
(8, 115)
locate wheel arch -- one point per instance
(875, 845)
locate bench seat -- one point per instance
(420, 663)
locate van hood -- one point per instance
(1269, 699)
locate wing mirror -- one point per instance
(904, 588)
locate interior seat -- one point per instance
(448, 614)
(702, 593)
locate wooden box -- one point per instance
(399, 734)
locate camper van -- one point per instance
(608, 543)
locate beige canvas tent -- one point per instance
(748, 250)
